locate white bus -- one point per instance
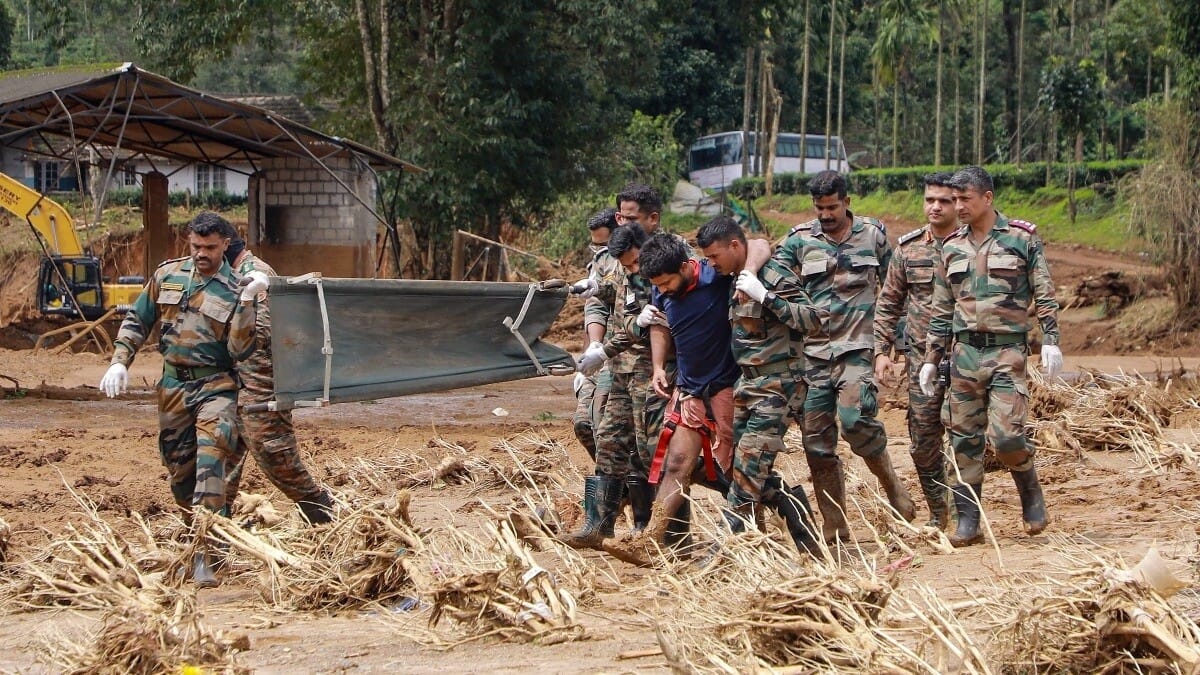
(715, 161)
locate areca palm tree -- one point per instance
(903, 25)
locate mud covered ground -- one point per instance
(107, 450)
(58, 434)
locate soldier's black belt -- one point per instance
(750, 372)
(979, 340)
(189, 373)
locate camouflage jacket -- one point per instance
(841, 279)
(202, 321)
(908, 291)
(989, 288)
(599, 308)
(257, 371)
(774, 330)
(629, 342)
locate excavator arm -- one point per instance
(49, 220)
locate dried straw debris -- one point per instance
(494, 586)
(359, 559)
(140, 639)
(5, 536)
(1108, 413)
(1095, 618)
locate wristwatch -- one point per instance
(769, 297)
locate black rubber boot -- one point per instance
(601, 499)
(1033, 503)
(967, 500)
(318, 510)
(792, 505)
(641, 496)
(933, 484)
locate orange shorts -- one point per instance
(691, 409)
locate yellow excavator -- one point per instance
(70, 279)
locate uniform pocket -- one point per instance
(216, 309)
(169, 297)
(919, 275)
(1004, 265)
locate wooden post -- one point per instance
(457, 256)
(155, 221)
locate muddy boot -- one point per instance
(641, 496)
(318, 510)
(792, 505)
(601, 499)
(678, 535)
(1033, 503)
(203, 572)
(897, 494)
(966, 501)
(829, 488)
(933, 485)
(643, 548)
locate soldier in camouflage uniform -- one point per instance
(905, 299)
(769, 319)
(633, 416)
(598, 290)
(992, 270)
(268, 434)
(206, 324)
(838, 258)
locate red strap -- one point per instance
(707, 432)
(664, 439)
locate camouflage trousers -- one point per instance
(762, 408)
(197, 422)
(842, 390)
(589, 408)
(629, 427)
(986, 403)
(271, 439)
(925, 429)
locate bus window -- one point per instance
(715, 151)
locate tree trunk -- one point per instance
(376, 102)
(761, 126)
(828, 93)
(804, 63)
(878, 130)
(979, 105)
(937, 108)
(776, 107)
(896, 120)
(957, 108)
(1010, 17)
(841, 91)
(747, 98)
(1020, 82)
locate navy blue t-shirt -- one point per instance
(699, 320)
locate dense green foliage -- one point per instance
(517, 108)
(1103, 176)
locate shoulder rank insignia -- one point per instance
(904, 239)
(1024, 225)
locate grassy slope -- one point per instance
(1100, 222)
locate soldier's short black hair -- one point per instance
(938, 179)
(827, 183)
(207, 222)
(647, 198)
(721, 228)
(625, 239)
(972, 177)
(605, 218)
(662, 253)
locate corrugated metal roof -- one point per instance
(126, 107)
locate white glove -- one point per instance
(585, 288)
(115, 380)
(748, 283)
(592, 359)
(928, 379)
(255, 283)
(652, 316)
(1052, 361)
(577, 385)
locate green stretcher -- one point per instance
(344, 340)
